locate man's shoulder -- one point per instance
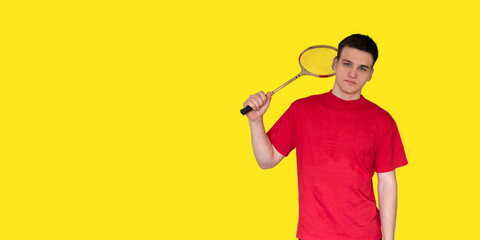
(377, 111)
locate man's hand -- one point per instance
(259, 103)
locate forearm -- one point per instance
(387, 201)
(262, 147)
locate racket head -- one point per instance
(317, 61)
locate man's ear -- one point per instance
(371, 74)
(334, 64)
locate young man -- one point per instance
(341, 139)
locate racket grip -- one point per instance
(245, 110)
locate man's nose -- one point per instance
(352, 73)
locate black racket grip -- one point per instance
(245, 110)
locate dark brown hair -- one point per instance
(360, 42)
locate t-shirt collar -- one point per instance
(344, 103)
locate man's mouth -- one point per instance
(350, 82)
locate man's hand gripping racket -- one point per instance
(314, 61)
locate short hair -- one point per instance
(360, 42)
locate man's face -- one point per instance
(353, 70)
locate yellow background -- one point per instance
(120, 119)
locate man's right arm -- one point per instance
(265, 153)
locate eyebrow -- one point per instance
(348, 61)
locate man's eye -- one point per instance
(346, 64)
(363, 69)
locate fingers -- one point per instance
(261, 94)
(256, 101)
(269, 96)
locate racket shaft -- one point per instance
(285, 84)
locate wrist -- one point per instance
(256, 122)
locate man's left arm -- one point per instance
(387, 202)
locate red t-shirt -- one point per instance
(339, 144)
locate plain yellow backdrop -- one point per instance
(120, 119)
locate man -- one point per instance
(341, 139)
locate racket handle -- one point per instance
(245, 110)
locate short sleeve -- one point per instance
(282, 134)
(390, 153)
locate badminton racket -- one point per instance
(314, 61)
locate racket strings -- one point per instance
(318, 60)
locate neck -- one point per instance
(345, 95)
